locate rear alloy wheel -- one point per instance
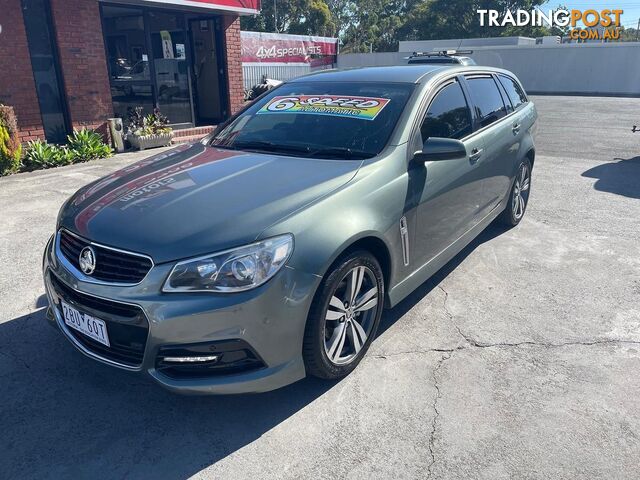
(519, 197)
(345, 317)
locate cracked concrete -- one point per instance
(436, 413)
(518, 360)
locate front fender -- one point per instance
(368, 207)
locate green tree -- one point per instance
(373, 26)
(378, 25)
(629, 34)
(305, 17)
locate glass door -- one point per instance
(170, 67)
(208, 76)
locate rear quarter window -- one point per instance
(516, 95)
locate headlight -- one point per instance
(231, 271)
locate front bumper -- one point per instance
(269, 319)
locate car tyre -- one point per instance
(518, 197)
(344, 316)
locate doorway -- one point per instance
(209, 80)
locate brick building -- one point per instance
(67, 64)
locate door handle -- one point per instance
(475, 155)
(516, 128)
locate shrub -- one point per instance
(152, 124)
(40, 154)
(10, 148)
(87, 145)
(83, 145)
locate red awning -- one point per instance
(240, 7)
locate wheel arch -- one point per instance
(376, 246)
(531, 156)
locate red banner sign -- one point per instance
(258, 47)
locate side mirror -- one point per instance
(440, 149)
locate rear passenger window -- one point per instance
(487, 99)
(448, 115)
(514, 91)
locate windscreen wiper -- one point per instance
(271, 147)
(340, 152)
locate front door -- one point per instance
(208, 72)
(452, 190)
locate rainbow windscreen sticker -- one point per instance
(365, 108)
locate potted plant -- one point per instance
(148, 131)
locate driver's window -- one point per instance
(448, 115)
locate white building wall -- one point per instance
(462, 43)
(587, 69)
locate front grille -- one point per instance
(127, 325)
(111, 265)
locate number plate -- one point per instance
(90, 326)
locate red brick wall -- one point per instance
(83, 61)
(17, 87)
(231, 25)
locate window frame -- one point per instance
(478, 125)
(440, 89)
(415, 139)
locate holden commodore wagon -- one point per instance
(268, 251)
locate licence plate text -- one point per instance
(86, 324)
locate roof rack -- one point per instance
(441, 53)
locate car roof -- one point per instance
(398, 73)
(416, 73)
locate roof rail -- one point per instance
(441, 53)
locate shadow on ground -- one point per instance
(621, 177)
(64, 415)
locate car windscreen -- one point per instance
(341, 120)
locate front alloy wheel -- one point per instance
(344, 317)
(351, 315)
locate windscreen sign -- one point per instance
(364, 108)
(258, 47)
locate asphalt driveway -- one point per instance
(519, 360)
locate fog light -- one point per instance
(211, 358)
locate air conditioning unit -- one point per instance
(550, 40)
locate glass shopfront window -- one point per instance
(147, 56)
(46, 74)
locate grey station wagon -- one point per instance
(268, 250)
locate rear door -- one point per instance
(494, 123)
(521, 121)
(450, 189)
